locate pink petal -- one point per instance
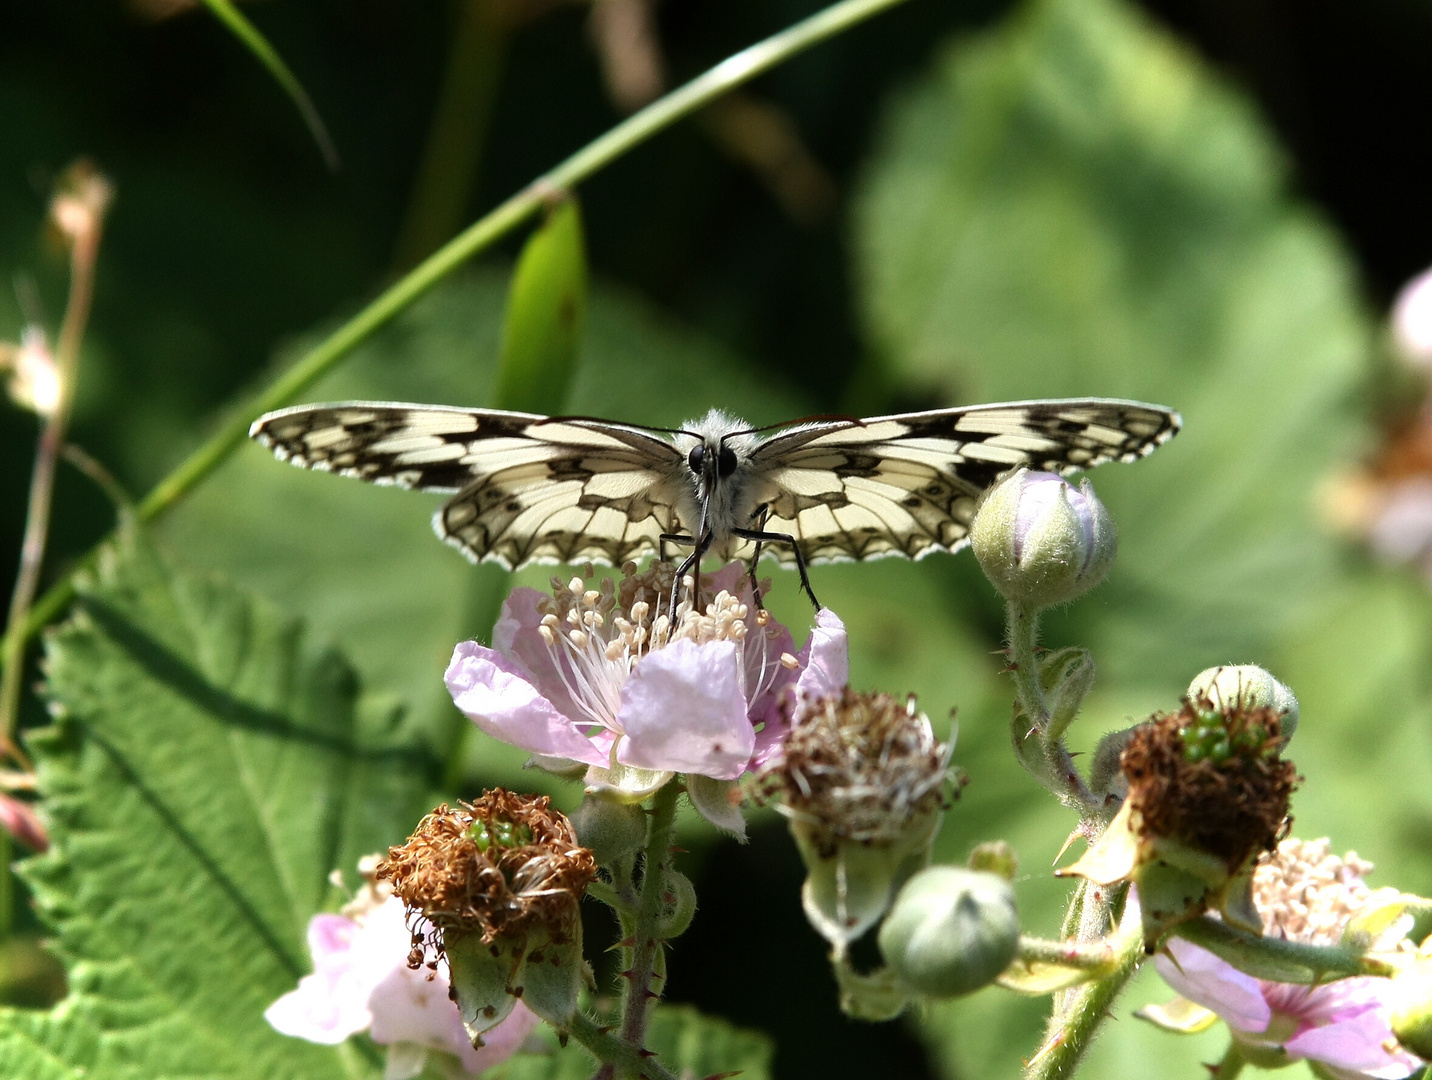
(1215, 984)
(683, 710)
(516, 637)
(330, 942)
(1357, 1041)
(319, 1012)
(825, 660)
(501, 1042)
(498, 698)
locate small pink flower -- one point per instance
(361, 981)
(607, 679)
(1306, 894)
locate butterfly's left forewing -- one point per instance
(529, 489)
(909, 484)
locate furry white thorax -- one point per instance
(732, 499)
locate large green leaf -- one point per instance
(208, 767)
(1073, 205)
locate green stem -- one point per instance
(630, 133)
(1277, 960)
(1097, 956)
(1232, 1063)
(616, 1056)
(91, 196)
(640, 955)
(1073, 1029)
(1023, 630)
(1042, 754)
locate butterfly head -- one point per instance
(715, 446)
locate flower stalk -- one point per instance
(78, 212)
(640, 959)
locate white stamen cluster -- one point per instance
(1306, 893)
(597, 635)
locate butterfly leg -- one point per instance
(671, 538)
(761, 537)
(759, 517)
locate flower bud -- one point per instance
(950, 931)
(1041, 541)
(1248, 687)
(612, 831)
(34, 376)
(863, 782)
(1411, 1018)
(20, 821)
(995, 857)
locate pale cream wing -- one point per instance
(529, 488)
(909, 484)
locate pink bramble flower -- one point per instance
(362, 982)
(1306, 894)
(605, 679)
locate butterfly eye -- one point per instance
(696, 457)
(726, 461)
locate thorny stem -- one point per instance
(1072, 1029)
(616, 1056)
(84, 250)
(732, 72)
(1046, 759)
(640, 957)
(1280, 960)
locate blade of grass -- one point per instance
(239, 25)
(730, 73)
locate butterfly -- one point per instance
(565, 489)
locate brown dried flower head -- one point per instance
(860, 768)
(496, 867)
(1210, 779)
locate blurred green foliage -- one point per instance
(1066, 201)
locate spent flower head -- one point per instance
(607, 677)
(863, 782)
(1304, 893)
(362, 981)
(1208, 791)
(492, 889)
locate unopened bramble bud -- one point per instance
(863, 782)
(1246, 686)
(613, 831)
(950, 931)
(493, 887)
(1041, 541)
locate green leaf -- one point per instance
(546, 309)
(685, 1041)
(1072, 205)
(249, 36)
(209, 766)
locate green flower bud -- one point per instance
(612, 831)
(1041, 541)
(1411, 1017)
(950, 931)
(1247, 687)
(995, 857)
